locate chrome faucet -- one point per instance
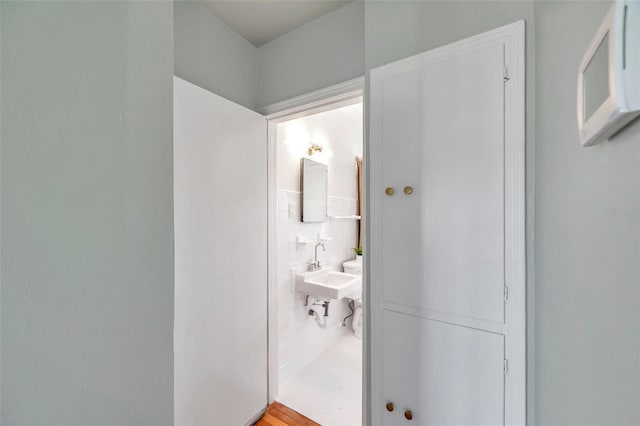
(315, 265)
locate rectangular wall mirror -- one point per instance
(313, 185)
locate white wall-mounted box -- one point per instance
(609, 75)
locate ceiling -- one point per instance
(260, 21)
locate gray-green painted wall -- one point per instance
(322, 53)
(87, 213)
(587, 241)
(211, 55)
(326, 51)
(85, 175)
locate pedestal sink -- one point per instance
(326, 284)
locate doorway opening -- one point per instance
(315, 236)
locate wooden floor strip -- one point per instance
(273, 420)
(284, 417)
(281, 415)
(294, 414)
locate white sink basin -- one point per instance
(328, 284)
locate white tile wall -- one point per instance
(301, 339)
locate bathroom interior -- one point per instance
(317, 347)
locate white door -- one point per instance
(461, 371)
(447, 242)
(220, 190)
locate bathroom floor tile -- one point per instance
(329, 389)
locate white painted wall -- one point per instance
(87, 213)
(221, 259)
(300, 339)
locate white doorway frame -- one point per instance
(515, 256)
(347, 93)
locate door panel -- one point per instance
(447, 275)
(447, 375)
(220, 334)
(443, 133)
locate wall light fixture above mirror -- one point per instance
(313, 148)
